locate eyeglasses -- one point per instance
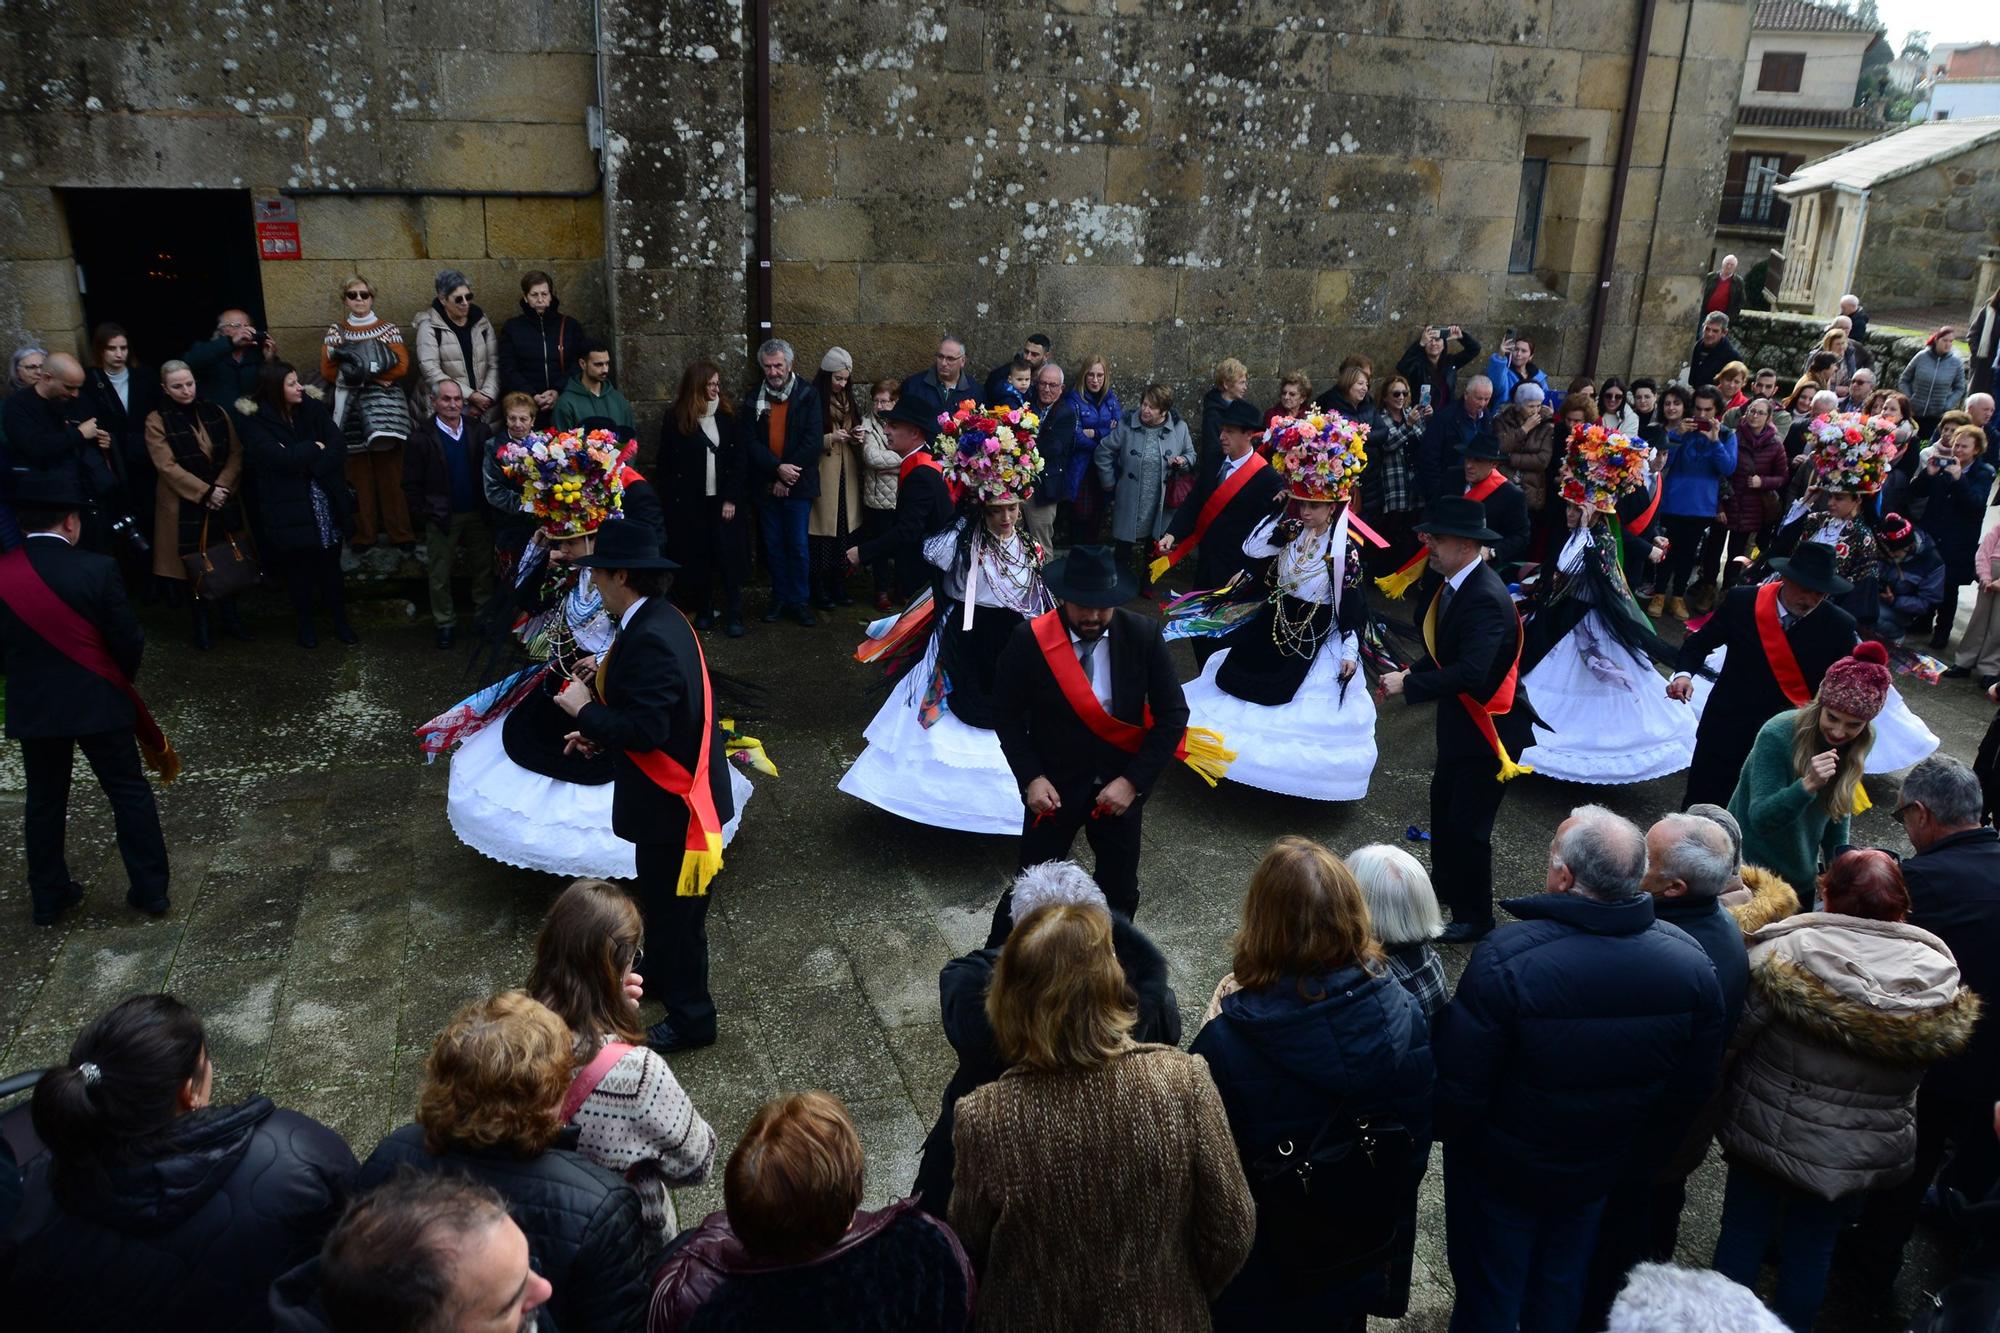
(1399, 393)
(460, 298)
(358, 296)
(1903, 809)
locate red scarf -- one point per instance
(59, 624)
(1778, 649)
(1486, 485)
(702, 856)
(1218, 500)
(1483, 711)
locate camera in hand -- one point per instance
(1701, 423)
(126, 529)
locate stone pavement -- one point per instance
(326, 923)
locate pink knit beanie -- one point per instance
(1858, 684)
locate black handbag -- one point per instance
(1324, 1208)
(219, 571)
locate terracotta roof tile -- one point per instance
(1803, 16)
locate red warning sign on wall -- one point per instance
(277, 229)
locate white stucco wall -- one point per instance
(1833, 68)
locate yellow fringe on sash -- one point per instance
(165, 763)
(752, 749)
(1157, 569)
(1206, 754)
(1862, 805)
(698, 868)
(1398, 583)
(1509, 770)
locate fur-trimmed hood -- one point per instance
(250, 407)
(1771, 899)
(1660, 1298)
(1880, 990)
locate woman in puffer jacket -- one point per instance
(1847, 1007)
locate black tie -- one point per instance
(1445, 605)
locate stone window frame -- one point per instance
(1528, 206)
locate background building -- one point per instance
(1967, 85)
(1165, 182)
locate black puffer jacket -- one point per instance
(582, 1224)
(190, 1236)
(538, 351)
(284, 457)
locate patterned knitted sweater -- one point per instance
(639, 1122)
(1104, 1199)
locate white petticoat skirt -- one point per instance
(947, 775)
(1901, 738)
(1316, 745)
(1608, 725)
(502, 810)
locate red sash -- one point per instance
(1778, 649)
(1485, 486)
(922, 458)
(1053, 636)
(1501, 701)
(59, 624)
(1645, 520)
(702, 856)
(1218, 501)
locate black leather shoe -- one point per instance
(804, 616)
(775, 613)
(68, 898)
(444, 636)
(308, 639)
(345, 633)
(666, 1039)
(1957, 672)
(158, 907)
(1465, 932)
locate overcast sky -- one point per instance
(1957, 22)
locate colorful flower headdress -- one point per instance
(1320, 455)
(1600, 465)
(570, 480)
(990, 452)
(1851, 452)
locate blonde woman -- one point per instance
(1232, 381)
(1068, 1226)
(364, 358)
(1799, 788)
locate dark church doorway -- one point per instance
(164, 263)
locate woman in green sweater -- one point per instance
(1802, 783)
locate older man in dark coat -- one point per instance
(784, 426)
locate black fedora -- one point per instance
(1484, 446)
(46, 490)
(1239, 413)
(912, 413)
(626, 544)
(1811, 566)
(1456, 516)
(1091, 576)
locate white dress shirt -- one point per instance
(1100, 665)
(630, 611)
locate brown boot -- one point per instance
(1678, 608)
(1658, 605)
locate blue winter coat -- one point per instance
(1283, 1063)
(1956, 514)
(1506, 379)
(1100, 418)
(1695, 469)
(1915, 583)
(1579, 1041)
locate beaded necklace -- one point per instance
(1296, 635)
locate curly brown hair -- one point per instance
(496, 1077)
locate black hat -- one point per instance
(1811, 566)
(1484, 446)
(912, 413)
(626, 544)
(1457, 516)
(1242, 414)
(46, 490)
(1091, 576)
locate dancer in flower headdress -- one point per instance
(517, 793)
(1282, 686)
(1587, 658)
(932, 755)
(1851, 454)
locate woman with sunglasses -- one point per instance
(365, 359)
(455, 341)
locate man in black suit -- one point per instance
(1747, 692)
(57, 704)
(650, 704)
(784, 425)
(923, 501)
(1217, 534)
(1073, 774)
(1505, 503)
(1475, 647)
(52, 428)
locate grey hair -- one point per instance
(447, 380)
(1947, 788)
(1402, 905)
(1832, 401)
(1850, 296)
(1055, 883)
(952, 338)
(1717, 317)
(1859, 372)
(1528, 393)
(1698, 855)
(169, 367)
(1722, 819)
(1047, 366)
(1604, 851)
(449, 279)
(778, 346)
(22, 354)
(1478, 380)
(1978, 399)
